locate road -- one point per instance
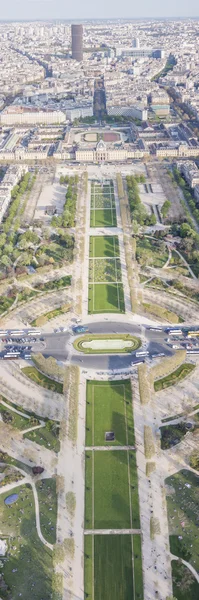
(60, 346)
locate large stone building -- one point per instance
(107, 153)
(20, 115)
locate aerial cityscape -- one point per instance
(99, 307)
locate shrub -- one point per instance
(149, 446)
(144, 384)
(154, 527)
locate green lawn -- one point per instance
(28, 568)
(42, 380)
(183, 511)
(172, 435)
(161, 313)
(47, 436)
(9, 460)
(109, 408)
(106, 298)
(113, 568)
(101, 246)
(103, 218)
(134, 490)
(138, 579)
(110, 487)
(46, 489)
(12, 418)
(151, 252)
(185, 586)
(174, 378)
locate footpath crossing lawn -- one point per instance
(109, 571)
(109, 408)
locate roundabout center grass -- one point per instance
(78, 343)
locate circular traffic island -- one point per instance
(107, 344)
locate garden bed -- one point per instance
(174, 378)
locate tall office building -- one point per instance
(136, 43)
(77, 42)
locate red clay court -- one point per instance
(111, 137)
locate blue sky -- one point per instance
(63, 9)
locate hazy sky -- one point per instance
(79, 9)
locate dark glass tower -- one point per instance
(77, 42)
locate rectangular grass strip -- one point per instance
(103, 218)
(101, 246)
(113, 567)
(88, 490)
(88, 567)
(106, 297)
(111, 490)
(107, 410)
(138, 576)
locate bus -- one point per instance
(16, 332)
(12, 355)
(174, 332)
(3, 332)
(193, 333)
(34, 332)
(142, 353)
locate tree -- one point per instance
(8, 249)
(5, 260)
(194, 460)
(25, 258)
(165, 208)
(185, 230)
(2, 240)
(185, 578)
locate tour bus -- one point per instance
(174, 332)
(142, 353)
(34, 331)
(193, 333)
(16, 332)
(12, 355)
(3, 332)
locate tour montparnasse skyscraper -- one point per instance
(77, 42)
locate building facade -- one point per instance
(77, 42)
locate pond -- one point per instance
(11, 499)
